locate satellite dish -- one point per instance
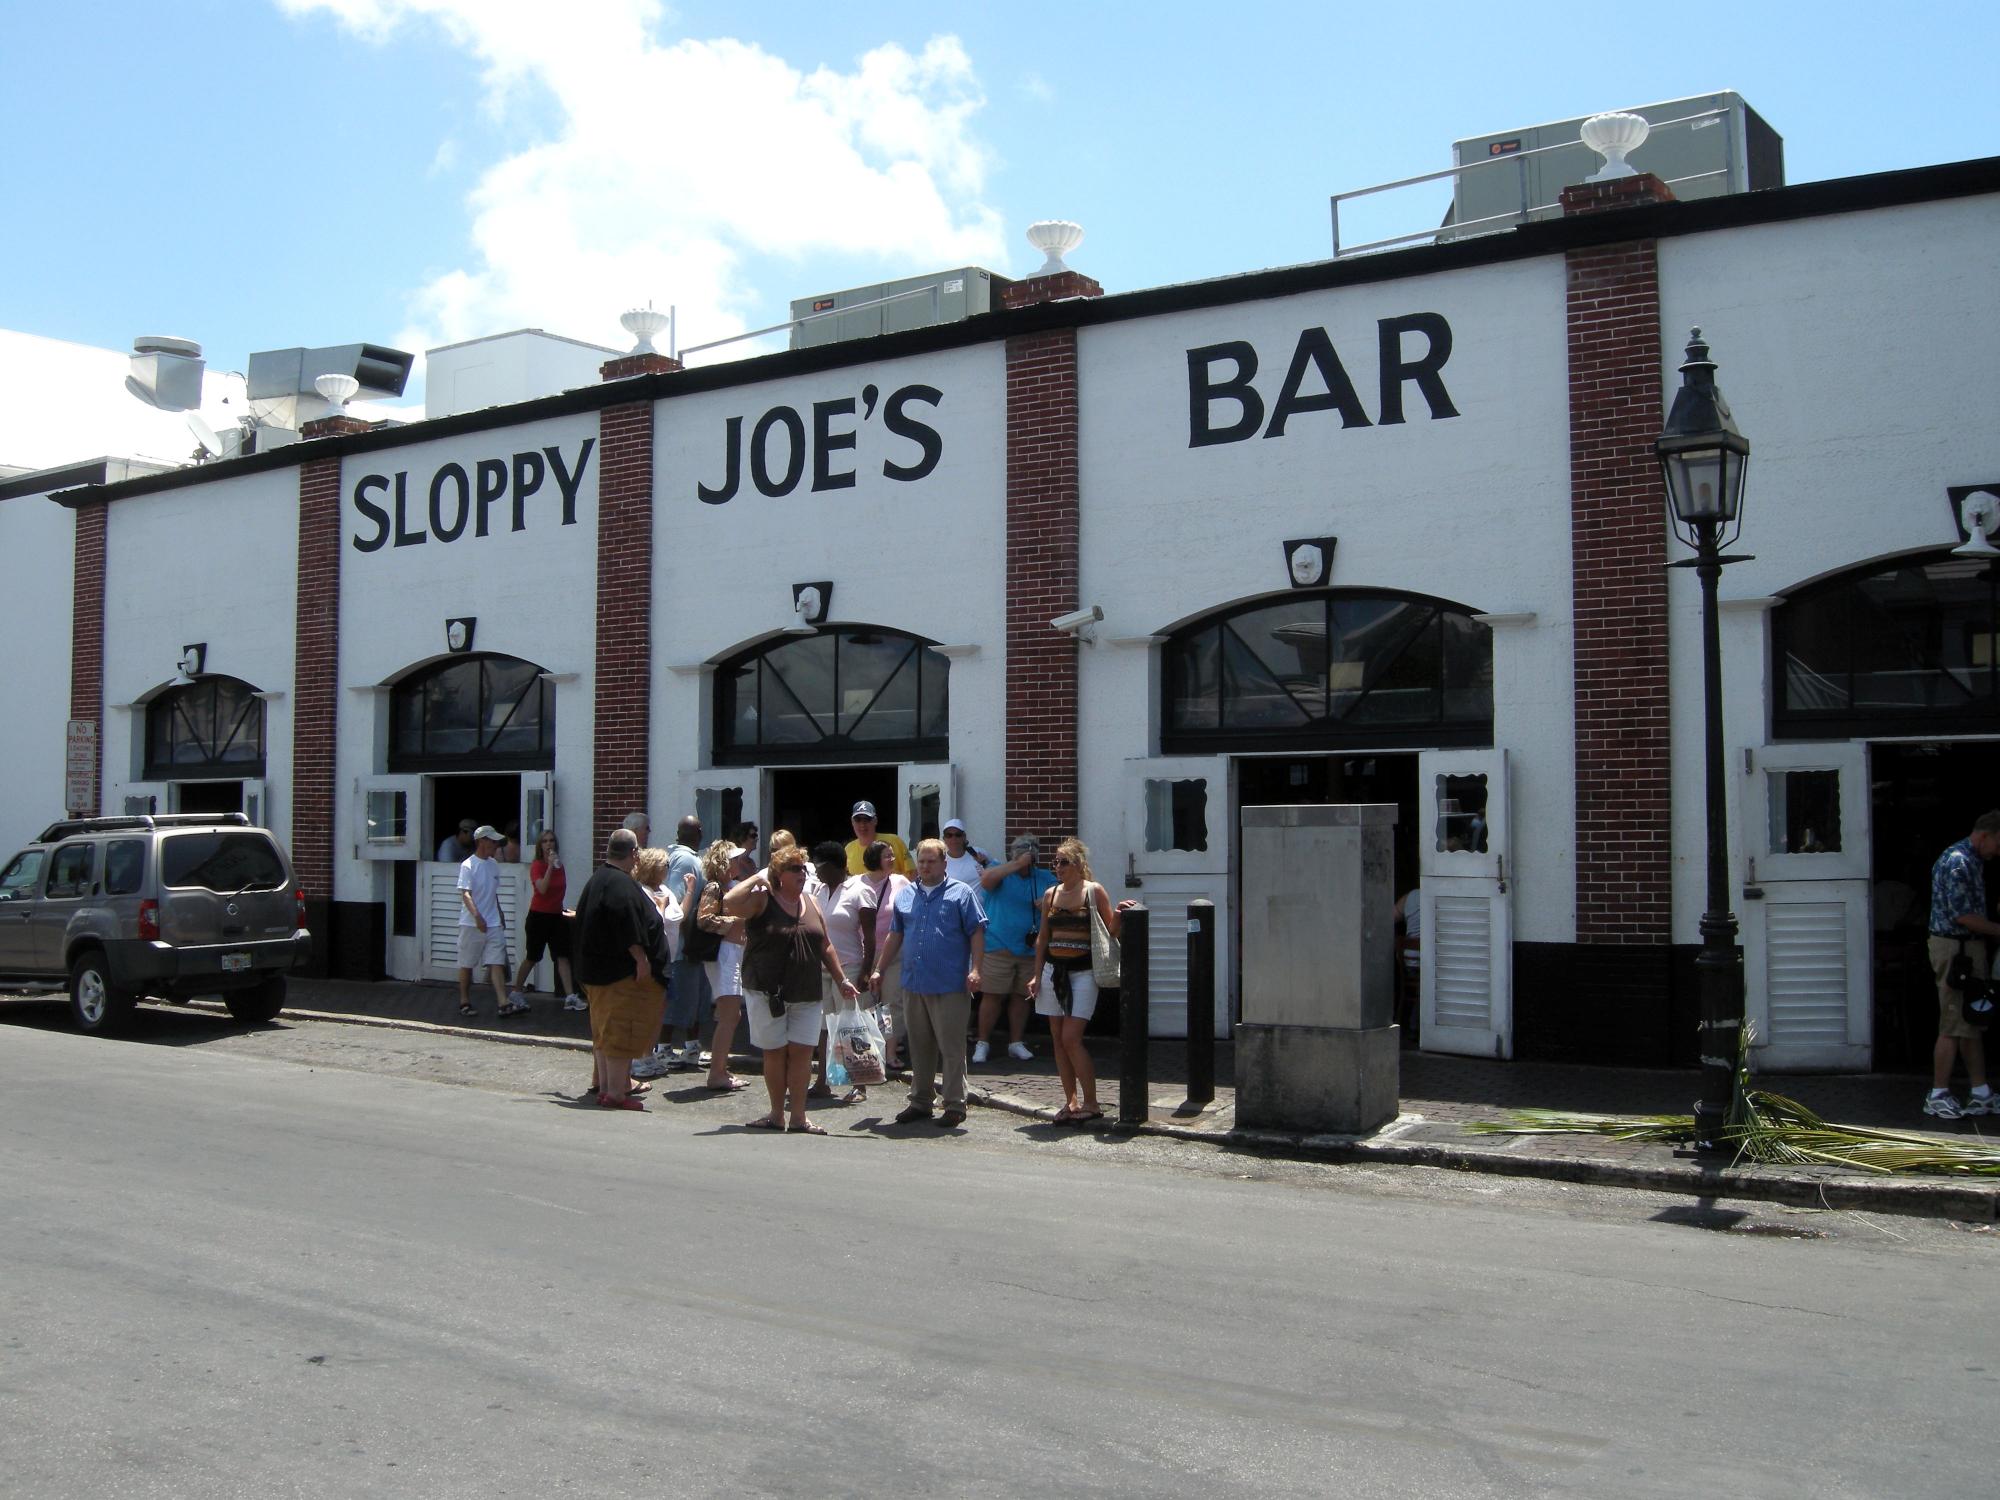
(204, 434)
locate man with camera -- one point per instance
(1959, 925)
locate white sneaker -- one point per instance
(1980, 1102)
(979, 1052)
(689, 1057)
(576, 1002)
(1019, 1050)
(1942, 1104)
(653, 1065)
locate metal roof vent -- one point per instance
(166, 372)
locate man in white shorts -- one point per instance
(482, 935)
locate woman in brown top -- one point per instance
(785, 945)
(1061, 984)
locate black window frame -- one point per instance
(173, 714)
(410, 694)
(838, 745)
(1842, 604)
(1327, 731)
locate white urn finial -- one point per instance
(1055, 238)
(1611, 136)
(337, 390)
(642, 323)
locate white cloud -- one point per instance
(673, 162)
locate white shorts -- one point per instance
(725, 971)
(800, 1023)
(482, 950)
(1082, 994)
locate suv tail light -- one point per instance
(299, 897)
(149, 921)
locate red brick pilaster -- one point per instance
(1042, 545)
(331, 426)
(1032, 289)
(1618, 534)
(86, 642)
(625, 366)
(315, 684)
(624, 614)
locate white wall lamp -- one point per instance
(192, 660)
(458, 634)
(1309, 560)
(1977, 512)
(810, 602)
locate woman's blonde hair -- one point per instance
(652, 866)
(715, 862)
(790, 857)
(1078, 852)
(548, 836)
(782, 839)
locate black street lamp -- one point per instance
(1703, 458)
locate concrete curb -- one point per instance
(1928, 1198)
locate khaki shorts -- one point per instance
(1005, 974)
(1951, 1004)
(481, 950)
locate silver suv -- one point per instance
(170, 906)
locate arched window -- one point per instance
(473, 712)
(1903, 648)
(1328, 669)
(212, 729)
(842, 692)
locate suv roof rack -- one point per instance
(70, 827)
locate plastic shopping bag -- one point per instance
(854, 1041)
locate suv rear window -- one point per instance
(221, 861)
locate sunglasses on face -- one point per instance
(1062, 859)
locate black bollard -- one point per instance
(1134, 1033)
(1201, 1002)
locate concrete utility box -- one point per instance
(1317, 1049)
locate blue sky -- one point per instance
(260, 173)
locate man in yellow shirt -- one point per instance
(865, 834)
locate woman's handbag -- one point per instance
(1103, 946)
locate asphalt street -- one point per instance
(334, 1261)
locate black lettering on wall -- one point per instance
(372, 511)
(453, 475)
(1315, 351)
(1204, 390)
(826, 442)
(568, 482)
(896, 417)
(528, 472)
(491, 481)
(760, 451)
(1396, 370)
(404, 536)
(732, 466)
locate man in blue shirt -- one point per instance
(1014, 892)
(1959, 921)
(939, 932)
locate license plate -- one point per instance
(235, 963)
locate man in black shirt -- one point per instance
(622, 960)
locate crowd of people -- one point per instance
(872, 943)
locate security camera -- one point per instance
(1070, 624)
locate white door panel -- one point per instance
(1176, 845)
(1807, 945)
(1467, 953)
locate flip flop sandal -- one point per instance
(764, 1122)
(808, 1129)
(856, 1095)
(468, 1010)
(730, 1087)
(637, 1089)
(628, 1102)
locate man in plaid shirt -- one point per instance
(1959, 921)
